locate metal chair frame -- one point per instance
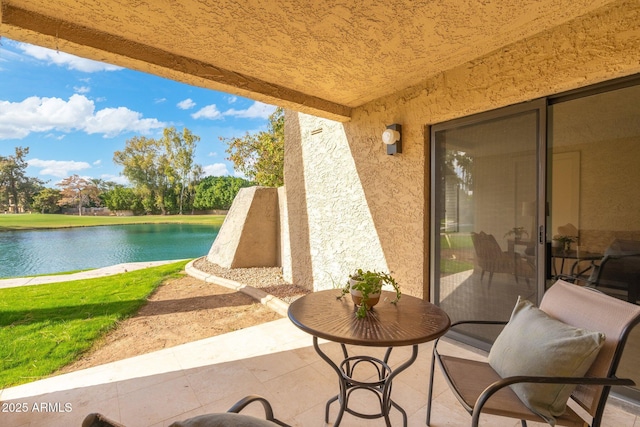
(477, 408)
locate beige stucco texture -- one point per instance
(249, 235)
(319, 57)
(352, 205)
(336, 232)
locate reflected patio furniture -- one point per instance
(491, 258)
(230, 418)
(576, 272)
(619, 270)
(481, 390)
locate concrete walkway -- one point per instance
(89, 274)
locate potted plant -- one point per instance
(564, 242)
(517, 233)
(365, 288)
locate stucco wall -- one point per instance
(597, 47)
(340, 233)
(249, 236)
(284, 258)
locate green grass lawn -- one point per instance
(45, 327)
(31, 221)
(455, 242)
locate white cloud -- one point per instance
(58, 168)
(97, 162)
(212, 154)
(186, 104)
(216, 169)
(62, 59)
(208, 112)
(34, 114)
(256, 110)
(118, 179)
(239, 174)
(82, 89)
(114, 121)
(232, 99)
(159, 100)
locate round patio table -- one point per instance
(410, 322)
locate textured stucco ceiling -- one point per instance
(322, 56)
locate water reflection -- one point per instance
(24, 253)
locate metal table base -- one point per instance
(381, 387)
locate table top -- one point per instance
(410, 321)
(559, 253)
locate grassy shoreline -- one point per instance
(45, 327)
(18, 222)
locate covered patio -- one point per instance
(275, 360)
(344, 73)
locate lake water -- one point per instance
(32, 252)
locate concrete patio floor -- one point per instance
(274, 359)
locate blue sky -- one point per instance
(73, 113)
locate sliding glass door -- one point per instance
(485, 209)
(594, 170)
(508, 186)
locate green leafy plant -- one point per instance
(565, 241)
(517, 232)
(369, 283)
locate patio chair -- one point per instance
(232, 418)
(490, 257)
(543, 355)
(619, 269)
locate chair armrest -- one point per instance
(268, 410)
(566, 277)
(471, 322)
(245, 401)
(505, 382)
(480, 322)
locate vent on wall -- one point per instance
(316, 131)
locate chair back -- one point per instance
(589, 309)
(486, 246)
(620, 268)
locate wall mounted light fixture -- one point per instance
(392, 138)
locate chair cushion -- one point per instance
(224, 420)
(99, 420)
(535, 344)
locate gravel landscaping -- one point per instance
(269, 279)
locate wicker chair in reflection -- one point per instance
(491, 258)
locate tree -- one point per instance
(78, 191)
(157, 167)
(144, 166)
(180, 149)
(121, 198)
(28, 190)
(46, 201)
(218, 192)
(12, 177)
(260, 156)
(194, 179)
